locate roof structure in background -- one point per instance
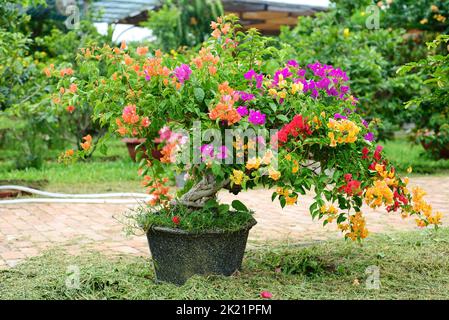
(269, 15)
(265, 15)
(120, 10)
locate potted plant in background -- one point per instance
(293, 128)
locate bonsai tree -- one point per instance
(293, 129)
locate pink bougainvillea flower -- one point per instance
(256, 117)
(266, 295)
(183, 72)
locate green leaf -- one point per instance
(199, 94)
(223, 208)
(239, 206)
(282, 117)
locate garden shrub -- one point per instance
(432, 100)
(181, 23)
(371, 58)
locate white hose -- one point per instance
(73, 198)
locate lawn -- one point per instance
(102, 173)
(407, 154)
(412, 265)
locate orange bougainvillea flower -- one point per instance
(73, 88)
(47, 72)
(141, 51)
(61, 90)
(128, 60)
(69, 153)
(216, 33)
(66, 71)
(86, 145)
(123, 45)
(70, 109)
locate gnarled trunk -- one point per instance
(205, 190)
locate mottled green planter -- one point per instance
(178, 254)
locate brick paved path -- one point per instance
(28, 229)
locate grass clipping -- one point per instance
(412, 265)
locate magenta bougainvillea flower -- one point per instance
(182, 73)
(339, 116)
(245, 96)
(369, 136)
(256, 117)
(243, 111)
(251, 74)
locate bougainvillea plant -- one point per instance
(307, 135)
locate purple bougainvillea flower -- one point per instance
(369, 137)
(147, 76)
(285, 73)
(243, 111)
(251, 74)
(222, 153)
(339, 116)
(301, 72)
(256, 117)
(293, 63)
(365, 123)
(245, 96)
(348, 111)
(207, 151)
(183, 72)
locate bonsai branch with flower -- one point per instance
(322, 145)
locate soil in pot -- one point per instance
(179, 254)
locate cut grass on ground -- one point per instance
(412, 265)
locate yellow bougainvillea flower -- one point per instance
(274, 174)
(237, 177)
(253, 163)
(296, 87)
(291, 200)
